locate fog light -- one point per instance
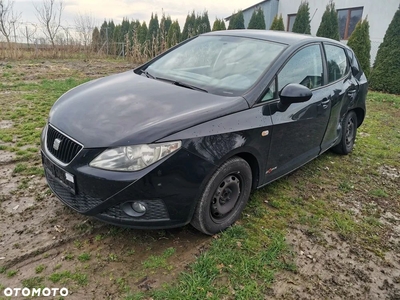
(139, 207)
(134, 209)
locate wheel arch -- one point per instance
(360, 113)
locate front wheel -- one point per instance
(349, 131)
(224, 197)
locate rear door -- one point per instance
(343, 89)
(298, 131)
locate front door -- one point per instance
(297, 132)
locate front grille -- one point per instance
(80, 202)
(67, 149)
(156, 210)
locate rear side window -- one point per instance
(305, 67)
(337, 62)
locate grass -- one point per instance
(84, 257)
(66, 276)
(39, 269)
(159, 261)
(34, 282)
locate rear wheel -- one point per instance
(349, 127)
(224, 197)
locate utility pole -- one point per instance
(15, 35)
(27, 36)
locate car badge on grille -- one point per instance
(56, 144)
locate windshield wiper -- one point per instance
(182, 84)
(189, 86)
(148, 75)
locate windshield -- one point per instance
(221, 65)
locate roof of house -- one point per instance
(250, 7)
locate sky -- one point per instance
(133, 9)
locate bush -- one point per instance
(329, 26)
(360, 42)
(385, 75)
(277, 23)
(302, 22)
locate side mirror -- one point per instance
(293, 93)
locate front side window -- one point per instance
(348, 19)
(305, 67)
(337, 62)
(222, 65)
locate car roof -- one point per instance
(284, 37)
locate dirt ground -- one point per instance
(40, 237)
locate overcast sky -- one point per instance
(135, 9)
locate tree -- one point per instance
(385, 74)
(142, 33)
(257, 20)
(153, 27)
(165, 24)
(329, 26)
(84, 25)
(360, 42)
(49, 16)
(218, 25)
(8, 19)
(96, 42)
(189, 29)
(202, 23)
(277, 23)
(302, 21)
(174, 34)
(236, 21)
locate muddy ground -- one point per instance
(40, 237)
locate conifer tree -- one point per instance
(329, 26)
(385, 75)
(174, 34)
(257, 20)
(236, 21)
(277, 23)
(189, 29)
(218, 25)
(302, 21)
(360, 42)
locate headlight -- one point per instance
(133, 158)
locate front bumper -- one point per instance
(168, 188)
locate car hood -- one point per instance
(130, 109)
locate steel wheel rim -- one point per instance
(225, 197)
(350, 132)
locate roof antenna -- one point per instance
(316, 12)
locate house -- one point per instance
(379, 14)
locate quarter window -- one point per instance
(337, 62)
(348, 19)
(305, 67)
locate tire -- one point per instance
(224, 197)
(349, 132)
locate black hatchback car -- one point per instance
(187, 136)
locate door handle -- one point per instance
(325, 103)
(351, 92)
